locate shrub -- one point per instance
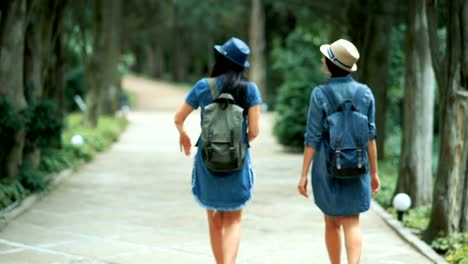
(388, 178)
(10, 123)
(10, 191)
(455, 247)
(57, 158)
(43, 124)
(300, 67)
(418, 217)
(31, 179)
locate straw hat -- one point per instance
(342, 53)
(236, 51)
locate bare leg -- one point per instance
(231, 235)
(215, 222)
(333, 238)
(353, 238)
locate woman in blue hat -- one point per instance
(341, 200)
(224, 197)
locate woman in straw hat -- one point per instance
(341, 200)
(224, 197)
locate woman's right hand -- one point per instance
(375, 184)
(302, 186)
(185, 143)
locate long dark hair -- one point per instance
(235, 80)
(335, 70)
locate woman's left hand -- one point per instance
(185, 143)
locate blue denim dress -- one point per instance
(234, 189)
(337, 197)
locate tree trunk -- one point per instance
(415, 170)
(94, 70)
(257, 44)
(12, 34)
(54, 79)
(112, 15)
(159, 58)
(33, 68)
(34, 52)
(450, 199)
(180, 54)
(150, 60)
(373, 65)
(180, 51)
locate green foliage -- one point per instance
(394, 117)
(32, 180)
(10, 191)
(418, 218)
(455, 247)
(75, 79)
(126, 63)
(56, 160)
(85, 152)
(299, 65)
(290, 122)
(388, 178)
(10, 123)
(78, 45)
(43, 125)
(95, 140)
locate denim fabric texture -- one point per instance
(337, 197)
(234, 189)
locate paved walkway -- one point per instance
(133, 205)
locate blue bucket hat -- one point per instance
(235, 50)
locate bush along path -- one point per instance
(133, 204)
(78, 144)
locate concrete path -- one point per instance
(133, 205)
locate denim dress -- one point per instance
(337, 197)
(228, 191)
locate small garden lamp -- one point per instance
(401, 203)
(77, 140)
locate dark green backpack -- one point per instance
(222, 146)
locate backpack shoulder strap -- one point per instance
(331, 99)
(213, 87)
(357, 96)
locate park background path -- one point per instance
(133, 204)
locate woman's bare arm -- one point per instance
(254, 122)
(179, 119)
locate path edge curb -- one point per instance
(404, 233)
(31, 199)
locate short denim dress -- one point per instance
(228, 191)
(337, 197)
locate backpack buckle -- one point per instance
(359, 158)
(338, 159)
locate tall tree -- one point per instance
(257, 44)
(33, 68)
(54, 69)
(415, 169)
(112, 16)
(41, 57)
(12, 35)
(94, 69)
(450, 196)
(181, 47)
(368, 20)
